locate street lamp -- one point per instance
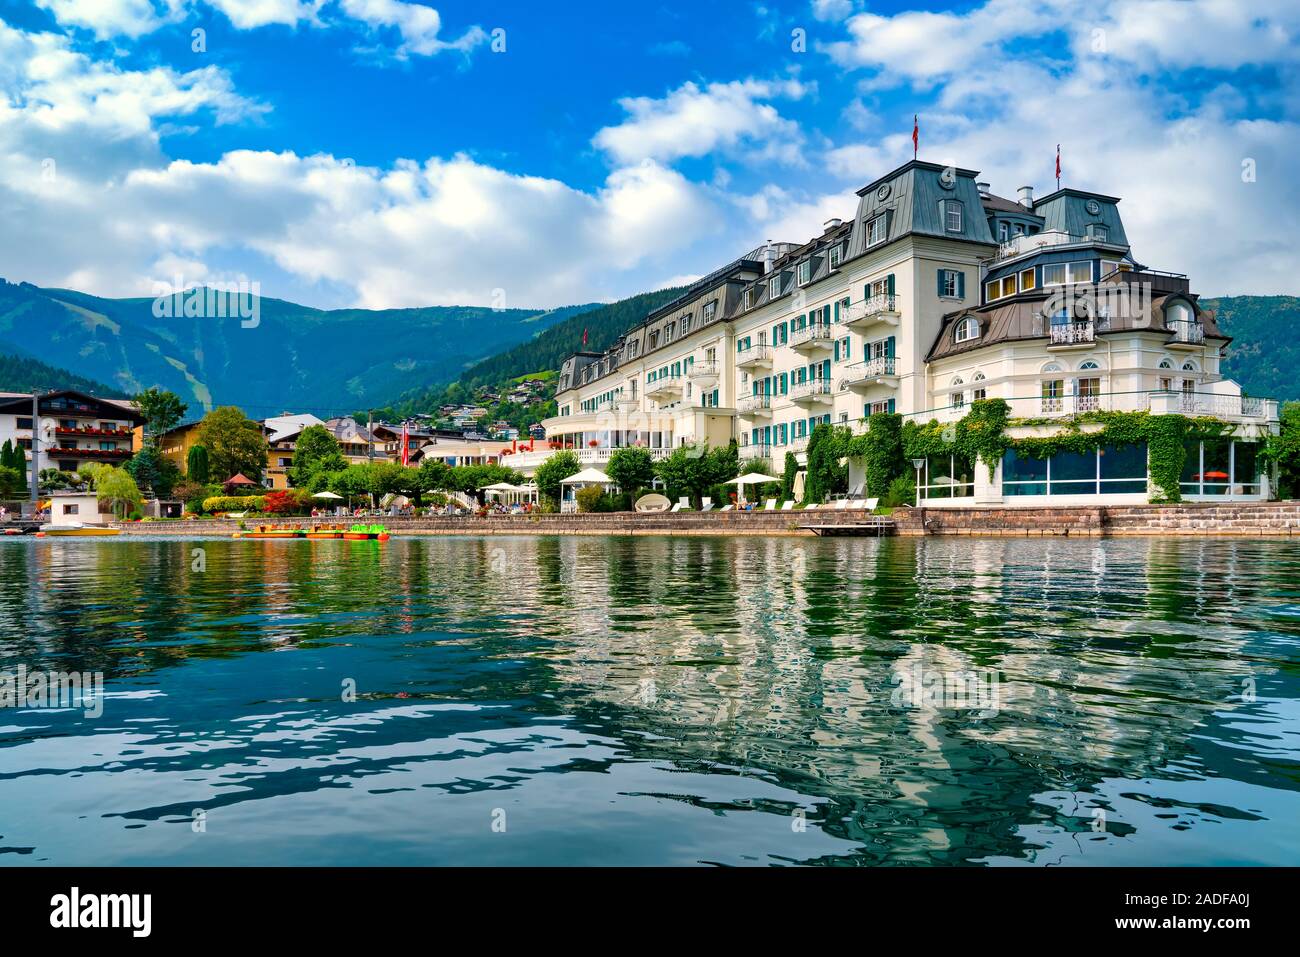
(918, 464)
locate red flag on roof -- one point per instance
(1058, 165)
(584, 338)
(916, 134)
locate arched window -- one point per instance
(966, 329)
(1190, 366)
(1087, 388)
(1166, 364)
(957, 398)
(1053, 394)
(979, 392)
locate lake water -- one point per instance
(748, 701)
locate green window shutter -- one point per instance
(889, 347)
(837, 350)
(961, 285)
(940, 275)
(837, 311)
(891, 405)
(889, 284)
(826, 369)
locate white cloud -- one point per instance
(418, 25)
(831, 9)
(112, 18)
(695, 121)
(251, 14)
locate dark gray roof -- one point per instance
(910, 195)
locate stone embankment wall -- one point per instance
(1262, 519)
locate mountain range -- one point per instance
(294, 357)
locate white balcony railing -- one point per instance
(812, 335)
(1220, 406)
(812, 389)
(876, 307)
(703, 370)
(1191, 333)
(1073, 333)
(754, 404)
(753, 354)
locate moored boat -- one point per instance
(362, 533)
(271, 531)
(74, 529)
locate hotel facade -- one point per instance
(937, 293)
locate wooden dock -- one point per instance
(874, 525)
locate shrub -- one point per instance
(589, 498)
(284, 502)
(234, 503)
(901, 491)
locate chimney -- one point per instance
(1026, 196)
(983, 188)
(769, 256)
(832, 224)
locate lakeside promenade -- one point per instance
(1252, 520)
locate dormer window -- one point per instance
(876, 230)
(686, 323)
(774, 287)
(805, 272)
(709, 309)
(670, 332)
(751, 297)
(1098, 232)
(951, 210)
(835, 256)
(1004, 231)
(966, 329)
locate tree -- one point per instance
(826, 446)
(11, 482)
(235, 443)
(118, 489)
(150, 470)
(693, 470)
(788, 476)
(632, 469)
(552, 472)
(317, 450)
(1284, 449)
(196, 465)
(161, 410)
(7, 456)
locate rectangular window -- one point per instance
(774, 287)
(709, 309)
(992, 290)
(1008, 285)
(1004, 231)
(876, 230)
(24, 423)
(71, 509)
(948, 283)
(952, 215)
(1026, 280)
(1054, 274)
(835, 256)
(1080, 271)
(805, 272)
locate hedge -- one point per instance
(234, 503)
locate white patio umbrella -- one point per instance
(328, 495)
(588, 477)
(750, 478)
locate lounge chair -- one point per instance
(841, 504)
(859, 503)
(871, 504)
(707, 505)
(770, 505)
(727, 508)
(677, 507)
(787, 505)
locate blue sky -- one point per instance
(390, 153)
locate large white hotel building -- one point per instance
(935, 294)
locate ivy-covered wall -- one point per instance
(982, 434)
